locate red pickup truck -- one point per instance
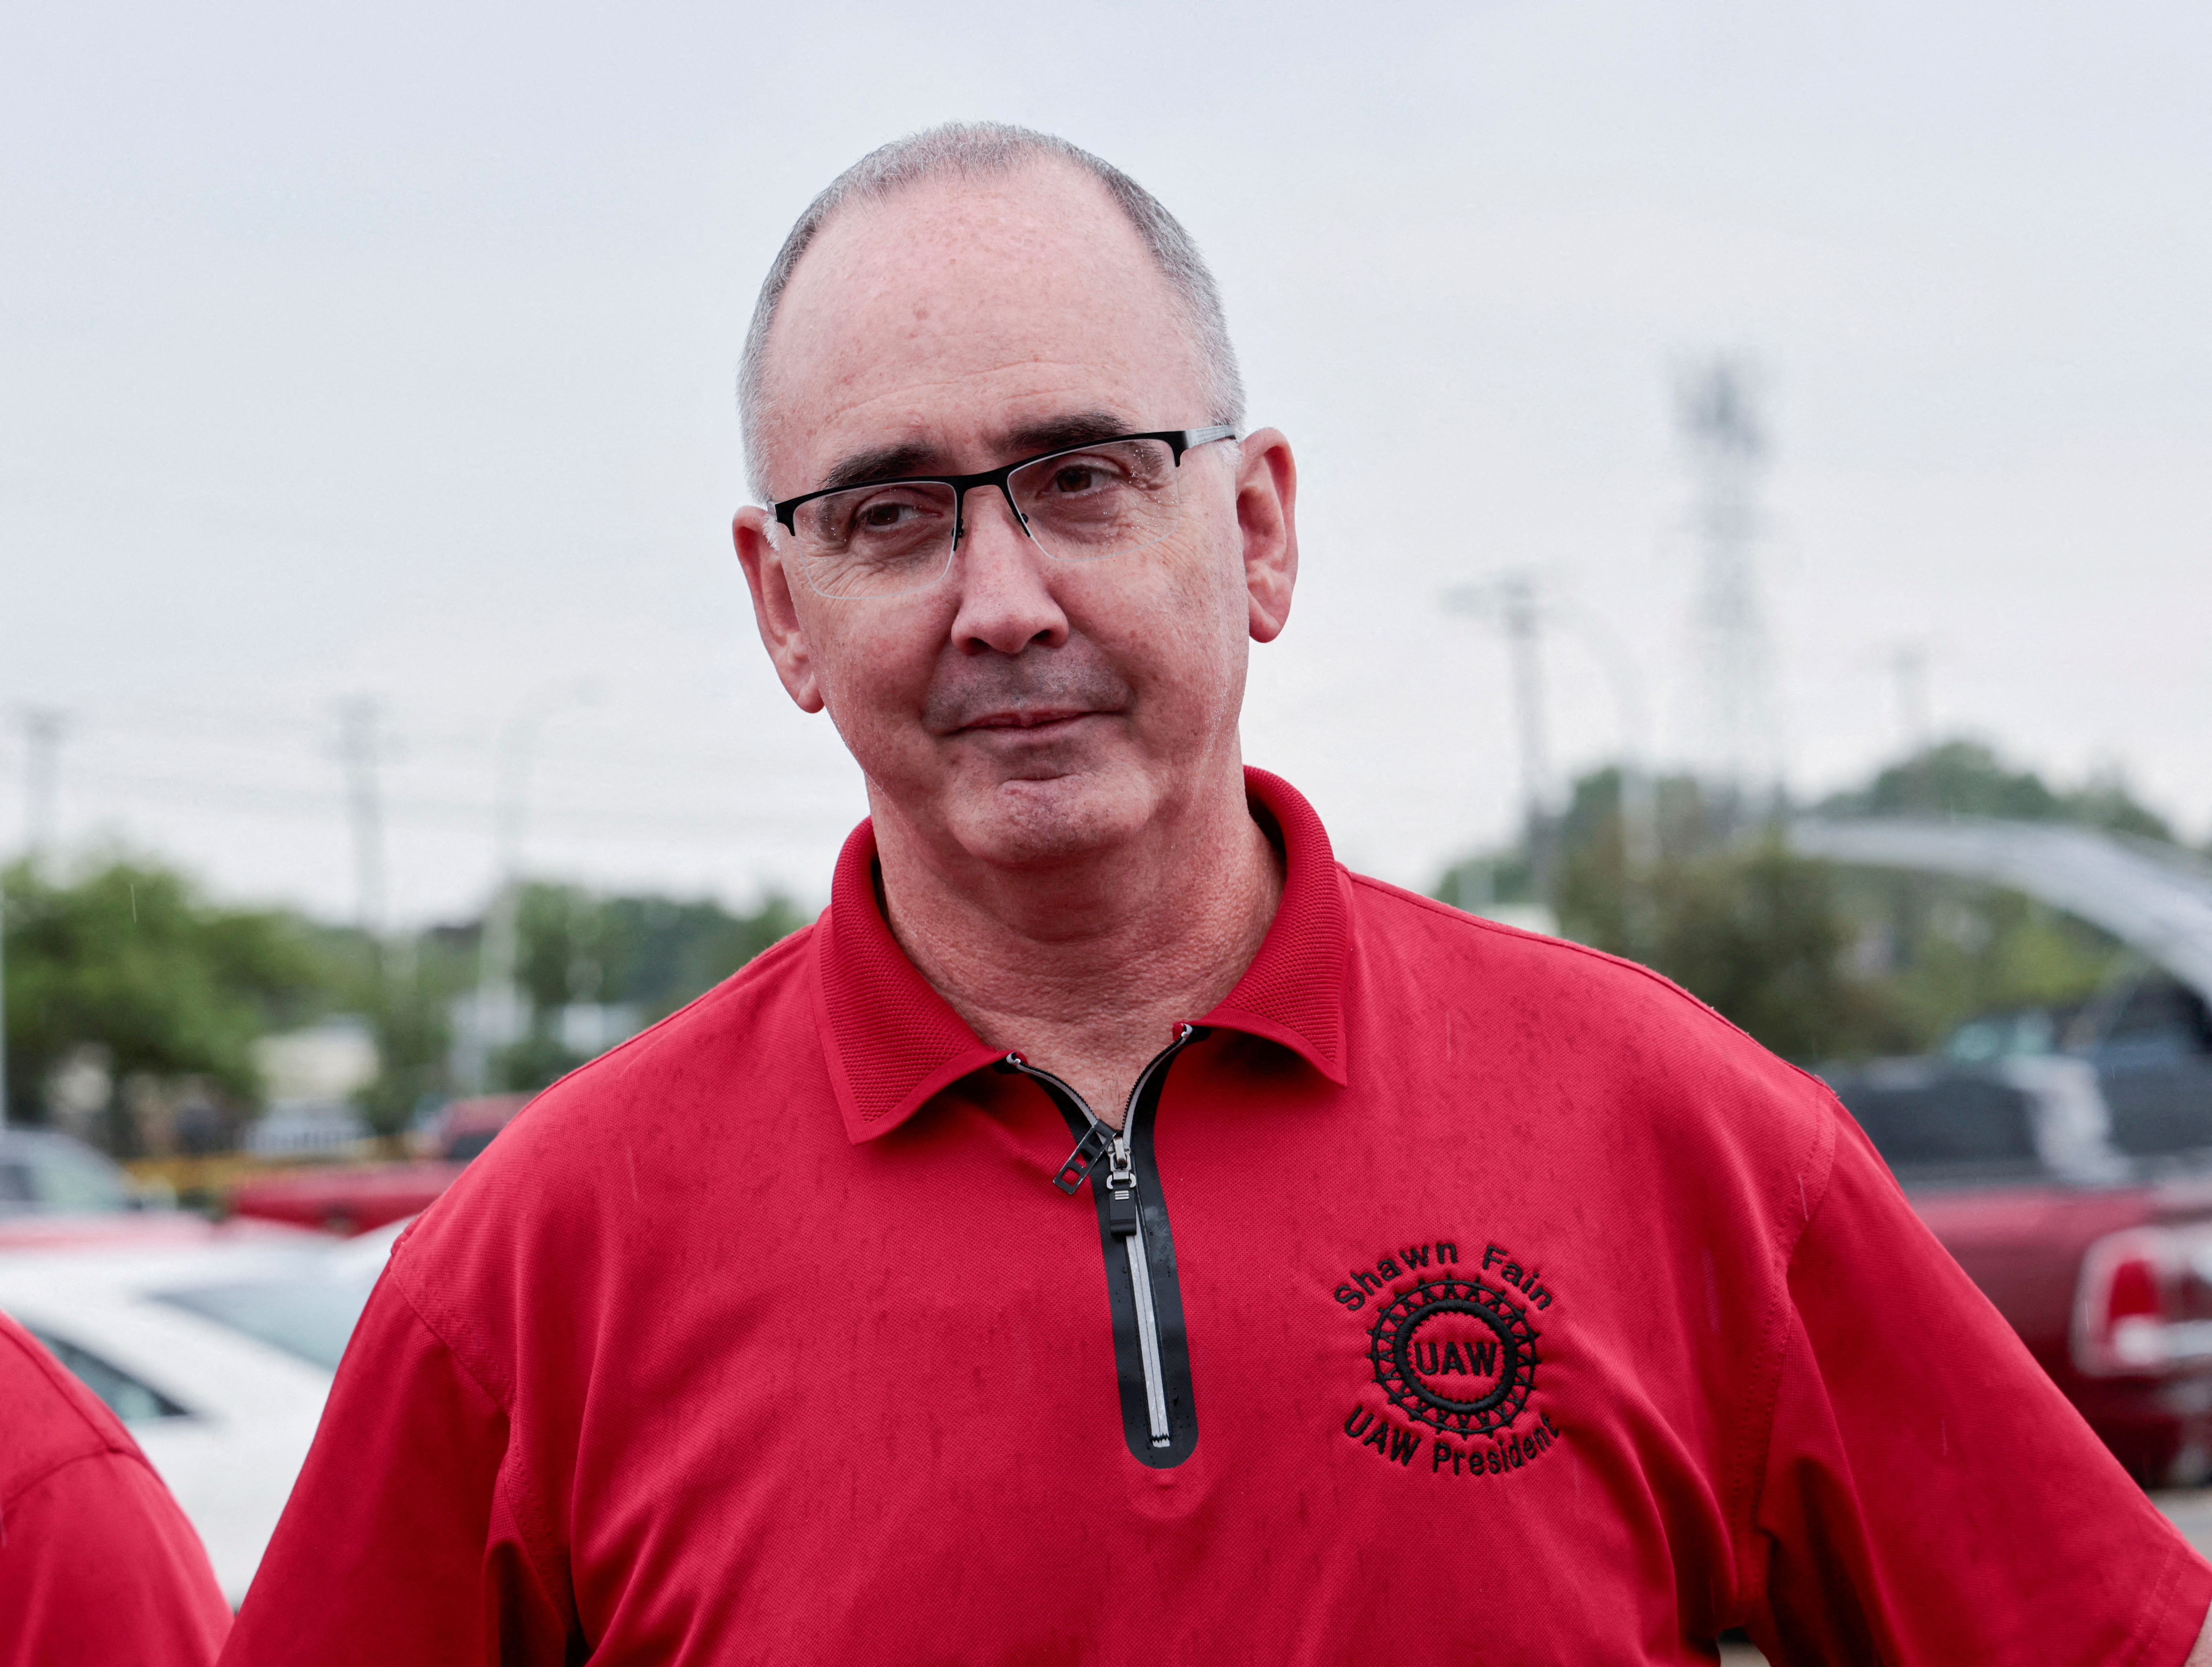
(2079, 1197)
(353, 1198)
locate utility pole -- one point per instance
(1715, 411)
(42, 739)
(1916, 733)
(498, 1015)
(1639, 809)
(1511, 599)
(361, 753)
(498, 948)
(1908, 667)
(42, 742)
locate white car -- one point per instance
(217, 1354)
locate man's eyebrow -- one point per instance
(879, 463)
(1054, 433)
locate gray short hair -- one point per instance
(972, 150)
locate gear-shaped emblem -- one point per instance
(1456, 1354)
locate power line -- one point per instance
(263, 733)
(256, 800)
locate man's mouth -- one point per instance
(1033, 717)
(1038, 695)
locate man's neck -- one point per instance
(1086, 967)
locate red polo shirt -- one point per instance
(1463, 1295)
(98, 1566)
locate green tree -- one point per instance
(1756, 932)
(404, 987)
(1751, 929)
(1967, 778)
(1820, 962)
(1950, 949)
(650, 954)
(127, 957)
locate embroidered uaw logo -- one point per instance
(1453, 1348)
(1454, 1352)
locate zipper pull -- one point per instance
(1088, 1150)
(1121, 1210)
(1123, 1204)
(1121, 1192)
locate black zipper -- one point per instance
(1151, 1351)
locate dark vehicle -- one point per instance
(353, 1198)
(2075, 1188)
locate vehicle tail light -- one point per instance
(2144, 1304)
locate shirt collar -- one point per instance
(892, 1041)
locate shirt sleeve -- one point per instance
(97, 1564)
(1928, 1496)
(398, 1543)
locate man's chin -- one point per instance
(1026, 823)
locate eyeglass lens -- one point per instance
(1105, 499)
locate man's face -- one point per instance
(1023, 710)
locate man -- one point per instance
(97, 1564)
(1113, 1231)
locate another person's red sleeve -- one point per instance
(97, 1563)
(1928, 1494)
(398, 1544)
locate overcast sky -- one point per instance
(386, 353)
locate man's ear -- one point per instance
(774, 609)
(1266, 504)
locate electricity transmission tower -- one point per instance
(1740, 744)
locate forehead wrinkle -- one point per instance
(1029, 405)
(1069, 391)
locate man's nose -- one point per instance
(1006, 601)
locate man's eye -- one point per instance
(1074, 477)
(874, 513)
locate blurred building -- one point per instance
(312, 1076)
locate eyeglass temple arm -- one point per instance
(1204, 437)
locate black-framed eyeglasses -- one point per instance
(886, 537)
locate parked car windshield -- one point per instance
(308, 1315)
(2161, 1108)
(130, 1400)
(49, 1174)
(1951, 1122)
